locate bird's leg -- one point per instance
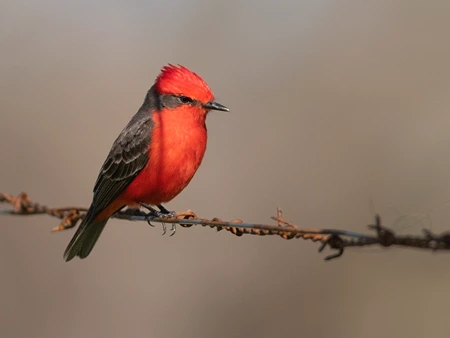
(169, 214)
(166, 212)
(163, 213)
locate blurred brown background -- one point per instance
(340, 109)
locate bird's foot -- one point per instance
(166, 213)
(173, 229)
(162, 213)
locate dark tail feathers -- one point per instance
(85, 237)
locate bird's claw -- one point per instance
(173, 229)
(149, 219)
(162, 213)
(156, 214)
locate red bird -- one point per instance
(154, 157)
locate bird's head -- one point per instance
(179, 87)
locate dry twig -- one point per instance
(334, 239)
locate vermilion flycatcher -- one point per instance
(154, 157)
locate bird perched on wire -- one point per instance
(154, 157)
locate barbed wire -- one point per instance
(335, 239)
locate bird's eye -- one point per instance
(185, 99)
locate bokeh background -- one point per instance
(340, 109)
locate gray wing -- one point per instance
(128, 156)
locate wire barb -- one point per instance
(385, 236)
(334, 242)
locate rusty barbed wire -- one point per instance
(334, 239)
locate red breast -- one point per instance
(176, 151)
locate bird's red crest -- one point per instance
(181, 81)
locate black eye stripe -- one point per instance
(173, 101)
(185, 99)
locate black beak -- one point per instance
(211, 105)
